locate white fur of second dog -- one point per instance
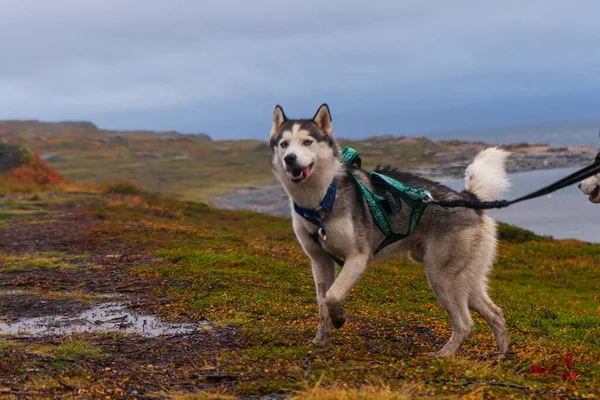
(456, 246)
(591, 187)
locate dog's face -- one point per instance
(591, 187)
(301, 147)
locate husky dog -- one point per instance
(591, 187)
(457, 246)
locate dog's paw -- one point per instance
(336, 312)
(323, 337)
(338, 316)
(321, 340)
(440, 354)
(501, 356)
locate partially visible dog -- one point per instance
(591, 188)
(457, 246)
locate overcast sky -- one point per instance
(221, 66)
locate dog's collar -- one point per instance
(318, 216)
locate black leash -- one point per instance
(575, 177)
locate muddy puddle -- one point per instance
(110, 316)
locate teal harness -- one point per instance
(416, 199)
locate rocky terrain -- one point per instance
(522, 159)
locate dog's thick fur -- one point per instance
(457, 246)
(591, 188)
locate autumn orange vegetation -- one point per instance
(32, 173)
(34, 170)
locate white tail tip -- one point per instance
(486, 176)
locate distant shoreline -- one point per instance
(536, 160)
(271, 199)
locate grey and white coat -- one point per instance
(457, 246)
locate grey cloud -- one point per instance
(69, 58)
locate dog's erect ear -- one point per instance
(278, 119)
(323, 119)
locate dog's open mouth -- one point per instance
(595, 195)
(297, 175)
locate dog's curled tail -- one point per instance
(486, 176)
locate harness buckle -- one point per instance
(321, 212)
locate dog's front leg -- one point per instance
(354, 268)
(323, 269)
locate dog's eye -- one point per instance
(283, 145)
(307, 142)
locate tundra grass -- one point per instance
(34, 261)
(246, 271)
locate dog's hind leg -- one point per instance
(480, 302)
(354, 268)
(323, 270)
(451, 285)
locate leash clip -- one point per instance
(322, 234)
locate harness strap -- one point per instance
(317, 216)
(414, 198)
(350, 157)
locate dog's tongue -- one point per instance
(307, 172)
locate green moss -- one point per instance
(51, 260)
(513, 234)
(26, 153)
(6, 216)
(39, 263)
(81, 175)
(6, 346)
(123, 187)
(53, 254)
(76, 349)
(194, 209)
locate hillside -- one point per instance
(34, 129)
(235, 291)
(196, 167)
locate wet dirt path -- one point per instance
(75, 322)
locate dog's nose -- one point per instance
(290, 159)
(579, 186)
